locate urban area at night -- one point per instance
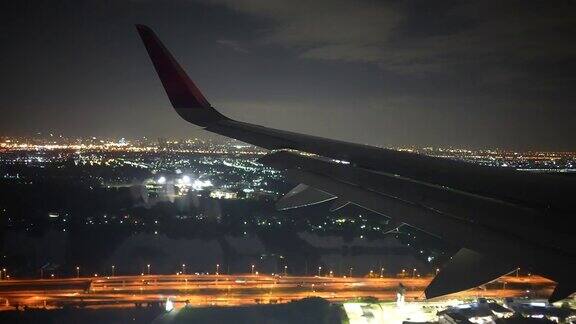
(136, 222)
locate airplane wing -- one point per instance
(493, 213)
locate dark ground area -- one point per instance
(310, 310)
(82, 316)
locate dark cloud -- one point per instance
(347, 30)
(233, 45)
(390, 34)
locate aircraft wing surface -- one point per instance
(492, 213)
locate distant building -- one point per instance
(483, 311)
(222, 194)
(531, 308)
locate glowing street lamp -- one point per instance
(350, 271)
(113, 268)
(183, 268)
(252, 269)
(148, 266)
(437, 270)
(414, 273)
(77, 272)
(217, 269)
(285, 270)
(319, 271)
(381, 272)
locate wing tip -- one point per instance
(143, 30)
(186, 98)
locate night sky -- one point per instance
(451, 73)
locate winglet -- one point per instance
(185, 97)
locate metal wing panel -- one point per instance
(479, 269)
(538, 191)
(303, 195)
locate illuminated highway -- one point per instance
(231, 290)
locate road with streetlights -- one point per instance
(233, 290)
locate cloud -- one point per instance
(234, 45)
(323, 26)
(416, 37)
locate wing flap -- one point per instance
(478, 268)
(561, 291)
(303, 195)
(339, 204)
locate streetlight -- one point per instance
(113, 268)
(350, 271)
(285, 270)
(148, 268)
(252, 269)
(217, 268)
(77, 272)
(381, 272)
(183, 268)
(414, 273)
(437, 270)
(403, 272)
(371, 273)
(319, 271)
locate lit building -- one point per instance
(222, 194)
